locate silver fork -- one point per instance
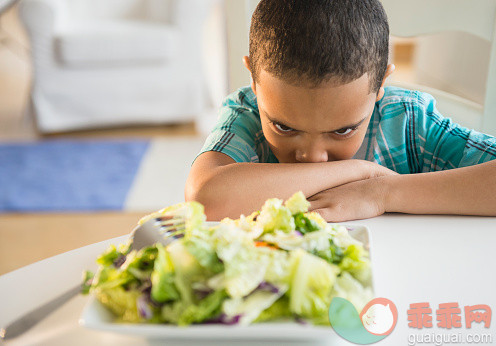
(162, 229)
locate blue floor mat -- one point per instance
(63, 175)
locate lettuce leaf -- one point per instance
(182, 313)
(109, 256)
(187, 270)
(204, 254)
(162, 277)
(297, 204)
(275, 216)
(311, 286)
(305, 225)
(332, 254)
(355, 261)
(349, 288)
(206, 309)
(250, 307)
(121, 302)
(278, 310)
(242, 274)
(87, 281)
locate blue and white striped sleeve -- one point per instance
(236, 130)
(445, 144)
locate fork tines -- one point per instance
(170, 224)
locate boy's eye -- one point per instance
(344, 132)
(282, 128)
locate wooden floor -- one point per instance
(27, 238)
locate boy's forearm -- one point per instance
(466, 191)
(241, 188)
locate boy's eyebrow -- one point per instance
(351, 126)
(341, 128)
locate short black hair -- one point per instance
(313, 41)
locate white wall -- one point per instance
(238, 28)
(455, 62)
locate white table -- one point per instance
(435, 259)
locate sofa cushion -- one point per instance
(91, 43)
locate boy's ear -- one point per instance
(246, 62)
(389, 71)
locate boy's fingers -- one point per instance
(333, 214)
(320, 212)
(324, 205)
(326, 214)
(317, 205)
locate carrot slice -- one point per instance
(260, 243)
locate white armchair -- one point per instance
(115, 62)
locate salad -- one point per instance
(279, 263)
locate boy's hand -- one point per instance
(356, 200)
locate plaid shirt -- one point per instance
(406, 133)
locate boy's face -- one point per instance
(302, 124)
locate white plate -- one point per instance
(96, 316)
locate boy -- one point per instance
(317, 118)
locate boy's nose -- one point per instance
(311, 155)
